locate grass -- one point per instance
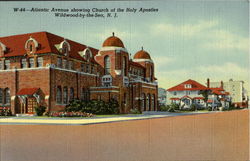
(116, 115)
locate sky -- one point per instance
(186, 39)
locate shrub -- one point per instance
(193, 107)
(93, 106)
(171, 109)
(40, 110)
(164, 107)
(175, 106)
(5, 112)
(69, 114)
(135, 111)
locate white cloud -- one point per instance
(162, 61)
(223, 72)
(226, 40)
(184, 30)
(207, 34)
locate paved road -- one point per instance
(94, 120)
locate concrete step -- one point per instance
(25, 115)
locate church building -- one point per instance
(45, 69)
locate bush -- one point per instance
(69, 114)
(193, 107)
(171, 109)
(135, 111)
(40, 110)
(164, 107)
(5, 112)
(175, 106)
(93, 106)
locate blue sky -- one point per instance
(187, 40)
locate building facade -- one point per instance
(186, 93)
(236, 90)
(45, 69)
(191, 92)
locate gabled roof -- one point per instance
(174, 98)
(186, 96)
(200, 98)
(47, 44)
(27, 91)
(194, 86)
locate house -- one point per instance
(42, 68)
(236, 90)
(192, 92)
(186, 93)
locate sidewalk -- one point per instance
(92, 120)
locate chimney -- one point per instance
(221, 84)
(208, 83)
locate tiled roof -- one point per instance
(194, 86)
(27, 91)
(186, 97)
(47, 41)
(201, 98)
(174, 98)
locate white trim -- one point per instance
(31, 39)
(13, 97)
(104, 87)
(118, 72)
(48, 67)
(61, 44)
(149, 87)
(143, 60)
(140, 81)
(3, 46)
(109, 48)
(104, 91)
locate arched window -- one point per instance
(7, 96)
(107, 64)
(153, 102)
(148, 102)
(59, 95)
(124, 66)
(65, 95)
(71, 96)
(1, 96)
(143, 102)
(31, 47)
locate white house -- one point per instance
(186, 93)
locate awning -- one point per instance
(27, 91)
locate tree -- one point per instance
(205, 94)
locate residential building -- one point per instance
(186, 93)
(236, 90)
(45, 69)
(192, 92)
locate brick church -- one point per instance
(45, 69)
